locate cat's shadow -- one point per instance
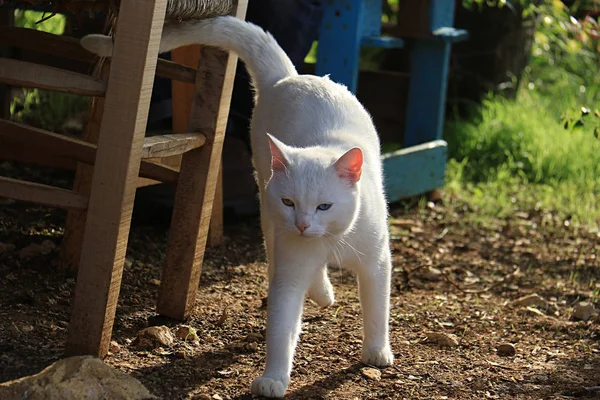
(320, 388)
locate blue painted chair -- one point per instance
(349, 25)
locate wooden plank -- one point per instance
(33, 155)
(115, 175)
(415, 170)
(197, 182)
(426, 105)
(169, 145)
(7, 15)
(75, 149)
(69, 48)
(44, 42)
(25, 74)
(339, 42)
(54, 143)
(41, 194)
(176, 72)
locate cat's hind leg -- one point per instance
(321, 291)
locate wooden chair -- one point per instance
(122, 158)
(347, 26)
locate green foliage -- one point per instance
(43, 108)
(540, 151)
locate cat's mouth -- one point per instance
(310, 235)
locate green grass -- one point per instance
(517, 155)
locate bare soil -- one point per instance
(450, 277)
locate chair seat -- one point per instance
(176, 9)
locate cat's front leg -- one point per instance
(374, 283)
(293, 273)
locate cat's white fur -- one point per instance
(323, 150)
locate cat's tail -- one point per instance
(265, 60)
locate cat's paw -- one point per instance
(378, 356)
(322, 295)
(269, 387)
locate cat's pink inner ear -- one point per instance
(278, 161)
(349, 166)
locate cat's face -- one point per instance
(312, 193)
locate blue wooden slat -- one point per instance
(441, 14)
(339, 41)
(415, 170)
(427, 91)
(384, 42)
(372, 18)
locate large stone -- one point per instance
(75, 378)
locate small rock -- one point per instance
(442, 339)
(187, 333)
(506, 349)
(47, 246)
(155, 282)
(217, 397)
(114, 347)
(6, 248)
(254, 337)
(81, 377)
(433, 273)
(530, 300)
(583, 311)
(371, 373)
(242, 347)
(180, 354)
(29, 251)
(155, 336)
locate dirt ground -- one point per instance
(450, 277)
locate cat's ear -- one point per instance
(349, 166)
(278, 160)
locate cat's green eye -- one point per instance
(324, 206)
(287, 202)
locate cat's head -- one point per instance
(313, 191)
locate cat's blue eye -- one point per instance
(287, 202)
(324, 207)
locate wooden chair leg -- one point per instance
(197, 182)
(115, 176)
(70, 252)
(215, 233)
(182, 97)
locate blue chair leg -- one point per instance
(339, 41)
(427, 91)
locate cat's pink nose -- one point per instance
(302, 226)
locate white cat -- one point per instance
(319, 172)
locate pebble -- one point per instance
(506, 349)
(6, 248)
(155, 336)
(35, 249)
(114, 347)
(371, 373)
(583, 311)
(155, 282)
(442, 339)
(187, 333)
(534, 300)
